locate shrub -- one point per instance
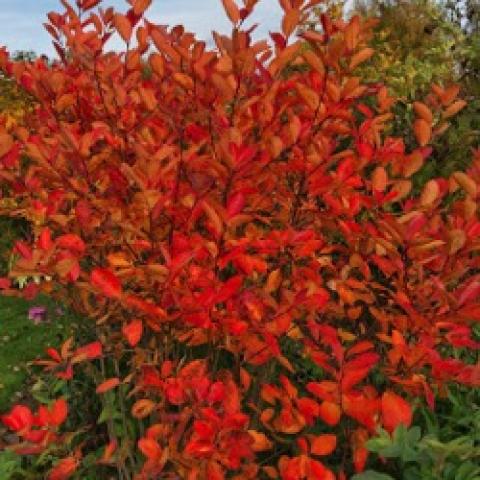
(224, 216)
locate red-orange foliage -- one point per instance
(246, 198)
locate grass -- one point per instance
(21, 341)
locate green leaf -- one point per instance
(10, 463)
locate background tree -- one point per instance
(421, 42)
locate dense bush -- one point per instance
(240, 225)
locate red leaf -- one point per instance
(471, 291)
(107, 282)
(352, 377)
(90, 351)
(58, 412)
(71, 242)
(133, 332)
(395, 411)
(19, 419)
(45, 239)
(229, 289)
(24, 250)
(52, 353)
(235, 204)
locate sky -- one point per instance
(21, 20)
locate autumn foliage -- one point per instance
(228, 216)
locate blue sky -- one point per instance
(21, 20)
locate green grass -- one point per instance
(21, 341)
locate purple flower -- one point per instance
(37, 314)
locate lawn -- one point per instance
(21, 341)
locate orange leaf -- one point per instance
(232, 10)
(314, 61)
(273, 281)
(310, 97)
(64, 469)
(395, 411)
(108, 385)
(6, 144)
(449, 95)
(150, 448)
(379, 179)
(139, 6)
(423, 111)
(157, 64)
(290, 21)
(467, 183)
(430, 193)
(360, 57)
(454, 108)
(260, 441)
(133, 332)
(324, 444)
(123, 26)
(330, 413)
(423, 131)
(109, 451)
(143, 408)
(183, 80)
